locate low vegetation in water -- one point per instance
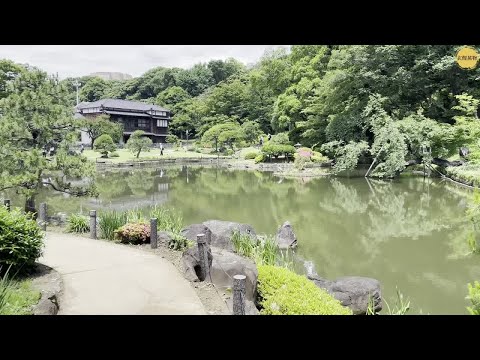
(77, 223)
(473, 214)
(282, 292)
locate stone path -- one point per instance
(100, 277)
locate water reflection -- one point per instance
(408, 233)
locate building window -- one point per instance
(161, 123)
(142, 123)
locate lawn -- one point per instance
(126, 155)
(17, 297)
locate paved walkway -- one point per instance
(106, 278)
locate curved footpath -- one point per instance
(100, 277)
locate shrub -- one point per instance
(251, 155)
(474, 297)
(280, 138)
(262, 251)
(318, 157)
(178, 242)
(21, 240)
(114, 155)
(167, 219)
(133, 233)
(104, 144)
(282, 292)
(78, 224)
(276, 150)
(110, 221)
(260, 158)
(301, 161)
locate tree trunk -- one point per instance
(138, 153)
(216, 145)
(30, 206)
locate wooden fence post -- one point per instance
(43, 216)
(93, 224)
(239, 294)
(153, 233)
(203, 256)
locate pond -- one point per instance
(408, 233)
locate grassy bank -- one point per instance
(17, 297)
(466, 174)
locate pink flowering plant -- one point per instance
(133, 233)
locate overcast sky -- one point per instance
(79, 60)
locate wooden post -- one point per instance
(239, 294)
(6, 202)
(42, 212)
(153, 233)
(93, 224)
(203, 256)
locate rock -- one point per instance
(191, 263)
(221, 232)
(163, 237)
(49, 283)
(286, 238)
(352, 291)
(226, 264)
(191, 232)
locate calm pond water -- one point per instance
(408, 233)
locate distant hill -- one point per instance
(112, 75)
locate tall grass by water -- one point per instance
(262, 250)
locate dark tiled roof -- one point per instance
(121, 104)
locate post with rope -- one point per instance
(93, 224)
(203, 257)
(43, 216)
(153, 233)
(239, 294)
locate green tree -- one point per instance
(251, 131)
(172, 97)
(36, 116)
(138, 143)
(93, 89)
(223, 134)
(8, 72)
(104, 144)
(222, 70)
(97, 126)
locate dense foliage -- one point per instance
(100, 125)
(363, 102)
(282, 292)
(474, 297)
(21, 240)
(37, 132)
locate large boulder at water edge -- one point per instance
(353, 292)
(227, 264)
(218, 232)
(286, 238)
(191, 263)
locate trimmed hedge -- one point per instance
(251, 155)
(282, 292)
(21, 240)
